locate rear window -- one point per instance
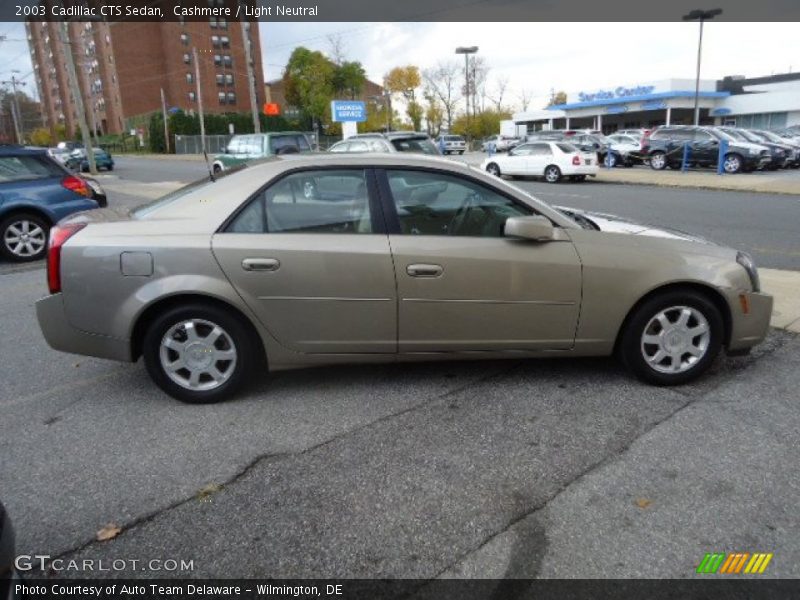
(277, 142)
(453, 138)
(26, 167)
(568, 148)
(419, 145)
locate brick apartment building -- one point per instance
(123, 66)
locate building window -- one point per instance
(217, 59)
(229, 78)
(221, 97)
(184, 39)
(187, 59)
(222, 23)
(189, 78)
(215, 41)
(220, 79)
(225, 41)
(231, 98)
(227, 61)
(213, 22)
(191, 96)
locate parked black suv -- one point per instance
(665, 146)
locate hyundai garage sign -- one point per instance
(348, 111)
(617, 92)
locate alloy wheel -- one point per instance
(25, 238)
(732, 164)
(197, 354)
(552, 174)
(675, 339)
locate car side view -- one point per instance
(360, 258)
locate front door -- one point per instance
(309, 257)
(462, 285)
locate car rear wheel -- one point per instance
(658, 161)
(732, 163)
(493, 169)
(24, 237)
(552, 174)
(199, 353)
(578, 178)
(673, 338)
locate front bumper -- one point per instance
(750, 329)
(60, 335)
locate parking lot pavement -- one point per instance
(399, 471)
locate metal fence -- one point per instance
(191, 144)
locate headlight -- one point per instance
(749, 265)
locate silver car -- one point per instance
(337, 258)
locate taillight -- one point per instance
(576, 160)
(58, 237)
(77, 185)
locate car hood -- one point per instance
(614, 224)
(748, 145)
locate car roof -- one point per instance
(15, 150)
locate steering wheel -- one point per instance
(463, 211)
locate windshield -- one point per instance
(732, 135)
(420, 145)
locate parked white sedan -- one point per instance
(551, 160)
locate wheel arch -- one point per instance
(706, 290)
(148, 315)
(26, 209)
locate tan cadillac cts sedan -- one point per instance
(327, 259)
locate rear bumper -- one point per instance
(581, 170)
(748, 330)
(60, 335)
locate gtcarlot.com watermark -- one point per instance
(44, 562)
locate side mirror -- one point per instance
(537, 228)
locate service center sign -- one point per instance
(348, 111)
(619, 92)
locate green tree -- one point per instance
(349, 79)
(557, 98)
(481, 125)
(415, 113)
(405, 81)
(308, 82)
(41, 137)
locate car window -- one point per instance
(326, 201)
(302, 143)
(18, 168)
(703, 136)
(340, 147)
(432, 203)
(234, 145)
(568, 148)
(358, 146)
(420, 145)
(541, 149)
(378, 146)
(522, 150)
(279, 143)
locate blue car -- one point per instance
(102, 159)
(35, 193)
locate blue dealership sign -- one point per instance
(344, 111)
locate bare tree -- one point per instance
(441, 83)
(525, 96)
(337, 49)
(479, 75)
(500, 86)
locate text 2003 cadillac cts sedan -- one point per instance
(314, 260)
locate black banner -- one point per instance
(440, 589)
(392, 10)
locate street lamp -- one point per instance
(700, 15)
(466, 51)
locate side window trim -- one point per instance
(387, 200)
(377, 212)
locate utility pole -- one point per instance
(164, 116)
(466, 51)
(702, 16)
(251, 78)
(16, 114)
(74, 88)
(199, 99)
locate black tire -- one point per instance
(632, 348)
(577, 178)
(461, 152)
(8, 248)
(552, 174)
(658, 161)
(494, 169)
(216, 169)
(110, 167)
(732, 163)
(244, 341)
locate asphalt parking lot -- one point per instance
(550, 468)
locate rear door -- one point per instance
(310, 256)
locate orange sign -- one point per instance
(272, 109)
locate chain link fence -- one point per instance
(216, 144)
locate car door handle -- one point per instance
(261, 264)
(421, 270)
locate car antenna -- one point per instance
(210, 170)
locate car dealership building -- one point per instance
(770, 102)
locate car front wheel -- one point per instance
(672, 338)
(732, 163)
(24, 237)
(199, 353)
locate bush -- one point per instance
(41, 137)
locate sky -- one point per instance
(534, 57)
